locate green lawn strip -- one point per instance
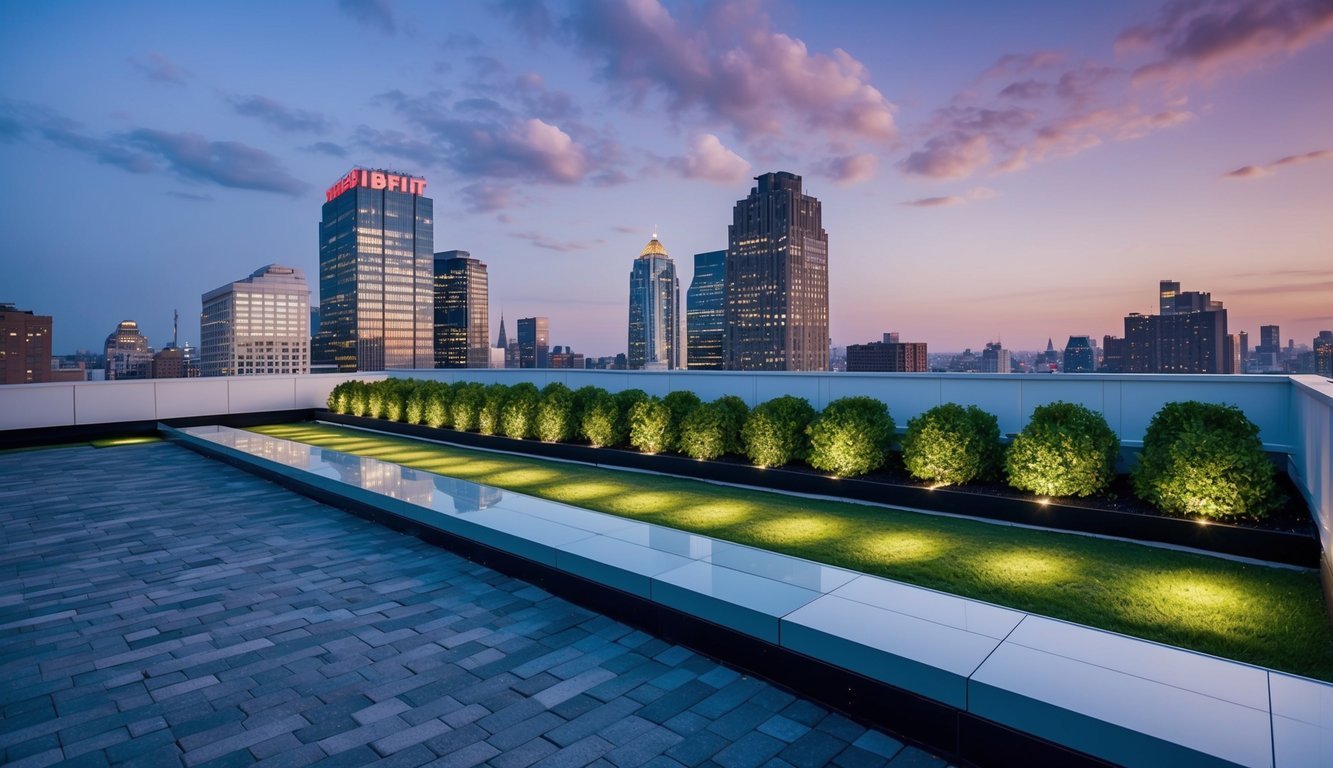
(1273, 617)
(114, 442)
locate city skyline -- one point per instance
(1034, 181)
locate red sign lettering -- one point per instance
(391, 182)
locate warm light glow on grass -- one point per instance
(1267, 616)
(112, 442)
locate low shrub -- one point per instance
(1205, 459)
(492, 406)
(1065, 450)
(340, 400)
(951, 444)
(438, 411)
(601, 422)
(735, 411)
(582, 398)
(774, 433)
(395, 398)
(359, 397)
(651, 426)
(414, 411)
(851, 437)
(703, 433)
(518, 415)
(555, 414)
(465, 405)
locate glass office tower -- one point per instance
(376, 273)
(654, 309)
(705, 310)
(462, 311)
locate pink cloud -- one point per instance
(851, 169)
(1259, 171)
(949, 156)
(709, 160)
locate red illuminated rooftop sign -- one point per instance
(360, 177)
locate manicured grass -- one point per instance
(113, 442)
(1268, 616)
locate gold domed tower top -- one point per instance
(653, 248)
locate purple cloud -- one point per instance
(850, 169)
(377, 14)
(709, 160)
(949, 156)
(936, 202)
(1258, 171)
(279, 115)
(543, 240)
(224, 163)
(159, 69)
(326, 148)
(1192, 40)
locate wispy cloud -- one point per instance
(189, 196)
(1304, 286)
(972, 195)
(543, 240)
(1259, 171)
(224, 163)
(850, 169)
(158, 68)
(326, 148)
(279, 115)
(376, 14)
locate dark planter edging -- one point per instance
(1259, 544)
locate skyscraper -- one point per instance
(1190, 336)
(1167, 290)
(777, 280)
(1323, 354)
(1080, 357)
(654, 309)
(500, 353)
(534, 342)
(462, 311)
(25, 346)
(257, 325)
(1268, 353)
(128, 355)
(705, 311)
(995, 359)
(376, 273)
(1113, 351)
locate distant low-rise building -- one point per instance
(1080, 355)
(128, 355)
(887, 356)
(995, 359)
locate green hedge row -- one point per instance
(1197, 459)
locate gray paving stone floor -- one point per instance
(160, 608)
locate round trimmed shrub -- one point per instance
(1205, 459)
(735, 411)
(438, 411)
(582, 398)
(466, 405)
(555, 413)
(1065, 450)
(851, 437)
(703, 433)
(951, 444)
(651, 426)
(359, 397)
(395, 398)
(414, 411)
(518, 415)
(340, 398)
(493, 398)
(601, 420)
(680, 403)
(774, 433)
(375, 396)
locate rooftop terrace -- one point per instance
(161, 608)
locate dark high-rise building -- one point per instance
(705, 311)
(1190, 338)
(995, 359)
(1113, 354)
(777, 280)
(1323, 354)
(1166, 296)
(566, 357)
(534, 342)
(376, 273)
(462, 311)
(25, 346)
(887, 356)
(1268, 353)
(654, 309)
(1080, 357)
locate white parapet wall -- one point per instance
(67, 404)
(1311, 465)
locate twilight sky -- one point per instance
(1010, 171)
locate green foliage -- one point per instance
(851, 437)
(602, 422)
(651, 428)
(493, 398)
(555, 414)
(583, 397)
(1205, 459)
(1065, 450)
(338, 401)
(414, 411)
(774, 434)
(703, 433)
(736, 411)
(438, 411)
(375, 392)
(680, 403)
(518, 415)
(466, 405)
(359, 396)
(395, 397)
(951, 444)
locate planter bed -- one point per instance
(1284, 541)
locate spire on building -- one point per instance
(502, 342)
(1049, 346)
